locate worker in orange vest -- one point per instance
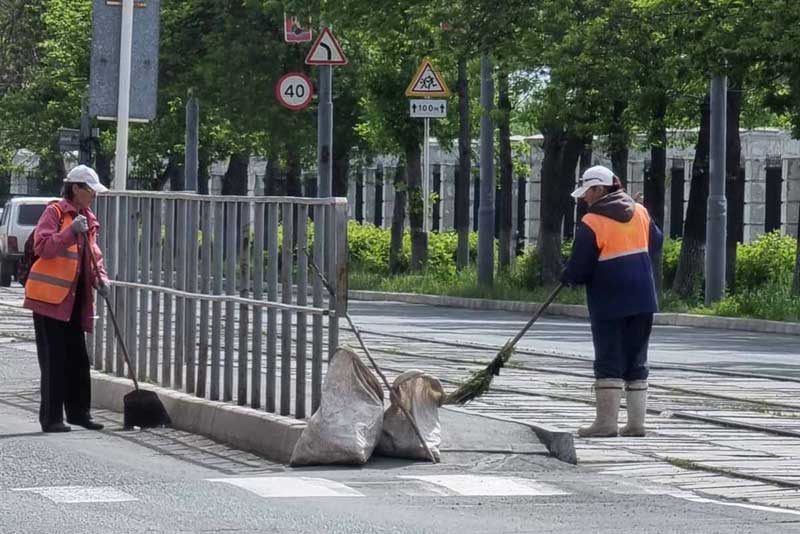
(611, 256)
(59, 292)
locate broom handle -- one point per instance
(357, 332)
(511, 343)
(113, 318)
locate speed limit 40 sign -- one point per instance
(294, 90)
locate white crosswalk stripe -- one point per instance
(488, 486)
(80, 494)
(441, 485)
(291, 487)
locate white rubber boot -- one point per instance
(608, 392)
(636, 401)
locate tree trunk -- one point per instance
(505, 208)
(655, 180)
(177, 176)
(561, 153)
(584, 163)
(294, 187)
(464, 170)
(234, 182)
(172, 175)
(734, 182)
(618, 143)
(398, 220)
(689, 276)
(341, 170)
(203, 177)
(102, 164)
(272, 175)
(419, 239)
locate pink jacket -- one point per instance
(48, 243)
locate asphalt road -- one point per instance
(494, 480)
(702, 347)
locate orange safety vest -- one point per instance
(51, 279)
(616, 239)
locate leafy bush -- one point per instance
(671, 254)
(764, 274)
(773, 301)
(767, 261)
(369, 250)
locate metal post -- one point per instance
(325, 133)
(716, 218)
(426, 186)
(191, 157)
(123, 101)
(486, 210)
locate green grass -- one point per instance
(773, 302)
(462, 284)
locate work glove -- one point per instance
(80, 225)
(102, 288)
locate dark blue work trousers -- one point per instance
(620, 347)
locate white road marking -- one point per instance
(485, 486)
(291, 487)
(80, 494)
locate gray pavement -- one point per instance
(701, 347)
(494, 478)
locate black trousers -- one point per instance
(64, 366)
(620, 347)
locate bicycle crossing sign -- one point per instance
(427, 82)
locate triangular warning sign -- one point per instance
(326, 50)
(427, 82)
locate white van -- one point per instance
(19, 219)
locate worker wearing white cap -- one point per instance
(611, 256)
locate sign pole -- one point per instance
(425, 184)
(325, 133)
(192, 145)
(123, 101)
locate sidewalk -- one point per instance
(724, 411)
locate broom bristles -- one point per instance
(480, 381)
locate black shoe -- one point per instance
(56, 427)
(87, 423)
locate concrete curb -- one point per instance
(560, 445)
(569, 310)
(269, 435)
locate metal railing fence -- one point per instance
(177, 261)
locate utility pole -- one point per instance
(716, 219)
(192, 149)
(486, 209)
(123, 103)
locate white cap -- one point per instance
(83, 174)
(597, 175)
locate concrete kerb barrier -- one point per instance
(269, 435)
(577, 311)
(560, 445)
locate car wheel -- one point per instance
(6, 269)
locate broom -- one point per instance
(479, 382)
(142, 408)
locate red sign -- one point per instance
(326, 50)
(294, 91)
(293, 32)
